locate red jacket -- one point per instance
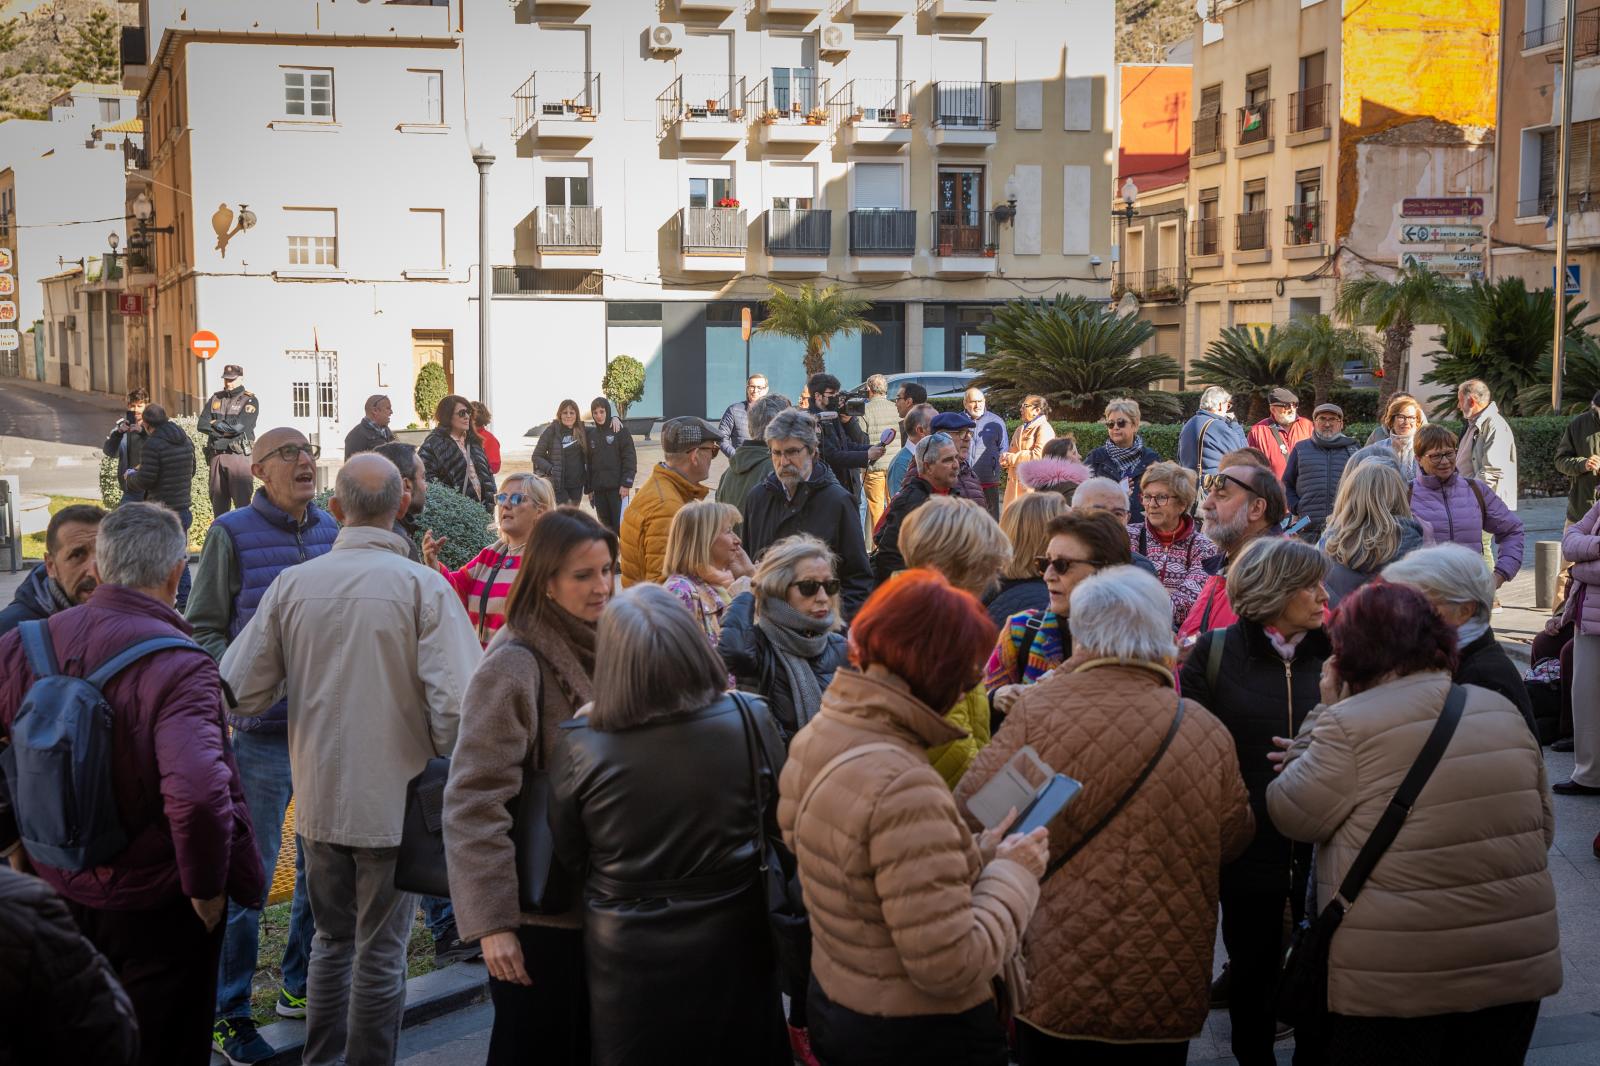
(1276, 442)
(491, 449)
(174, 776)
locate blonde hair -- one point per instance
(1268, 572)
(694, 528)
(1026, 524)
(781, 561)
(956, 537)
(1123, 406)
(1180, 480)
(539, 491)
(1363, 532)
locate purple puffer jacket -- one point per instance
(1452, 509)
(175, 779)
(1580, 546)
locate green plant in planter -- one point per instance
(432, 386)
(623, 384)
(446, 513)
(199, 486)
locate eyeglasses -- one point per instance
(291, 452)
(1440, 457)
(1151, 500)
(1044, 564)
(810, 588)
(1117, 423)
(1214, 482)
(512, 499)
(1407, 418)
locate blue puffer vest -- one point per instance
(266, 541)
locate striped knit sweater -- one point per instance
(1051, 646)
(494, 567)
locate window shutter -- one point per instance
(1256, 81)
(1210, 101)
(1549, 147)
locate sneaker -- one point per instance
(1219, 989)
(449, 949)
(238, 1042)
(1564, 744)
(800, 1047)
(290, 1005)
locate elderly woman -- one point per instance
(1025, 522)
(705, 563)
(1460, 510)
(1170, 537)
(1034, 642)
(1370, 527)
(1400, 422)
(453, 454)
(485, 582)
(676, 945)
(1123, 457)
(962, 542)
(1453, 940)
(1260, 677)
(1457, 584)
(911, 918)
(1028, 442)
(1381, 431)
(539, 670)
(1136, 856)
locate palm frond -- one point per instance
(1249, 362)
(815, 317)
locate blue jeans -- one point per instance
(186, 516)
(263, 760)
(438, 913)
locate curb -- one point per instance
(445, 991)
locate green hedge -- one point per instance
(446, 513)
(199, 487)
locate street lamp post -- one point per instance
(1558, 348)
(484, 160)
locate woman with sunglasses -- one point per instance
(1123, 457)
(1170, 537)
(706, 565)
(562, 454)
(453, 454)
(484, 583)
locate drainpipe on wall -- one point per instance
(1559, 282)
(484, 160)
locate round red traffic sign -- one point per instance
(204, 344)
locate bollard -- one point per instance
(1546, 567)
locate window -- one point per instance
(110, 109)
(1255, 118)
(708, 192)
(633, 312)
(568, 190)
(1583, 173)
(1208, 126)
(1252, 220)
(1206, 223)
(300, 399)
(1310, 111)
(1305, 217)
(425, 246)
(313, 236)
(877, 186)
(308, 93)
(427, 88)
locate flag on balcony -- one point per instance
(1252, 121)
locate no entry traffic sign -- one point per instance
(204, 344)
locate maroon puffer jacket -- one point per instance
(175, 779)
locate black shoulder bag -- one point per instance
(1303, 990)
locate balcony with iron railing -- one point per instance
(712, 239)
(1207, 139)
(966, 112)
(1542, 36)
(883, 239)
(1309, 115)
(1585, 36)
(568, 230)
(1150, 286)
(702, 107)
(873, 111)
(556, 104)
(964, 242)
(1250, 231)
(1204, 236)
(806, 233)
(1303, 225)
(1253, 134)
(791, 110)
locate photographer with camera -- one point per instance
(843, 441)
(228, 423)
(125, 443)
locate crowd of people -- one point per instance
(669, 724)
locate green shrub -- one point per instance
(447, 513)
(623, 383)
(431, 387)
(199, 487)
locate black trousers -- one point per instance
(991, 500)
(1042, 1049)
(1252, 932)
(608, 508)
(1496, 1036)
(167, 963)
(566, 497)
(230, 482)
(547, 1021)
(841, 1037)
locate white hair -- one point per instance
(1100, 484)
(1123, 613)
(1474, 388)
(928, 445)
(1215, 398)
(1447, 573)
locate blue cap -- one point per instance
(948, 420)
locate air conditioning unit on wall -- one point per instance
(838, 37)
(664, 38)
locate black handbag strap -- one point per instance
(1144, 775)
(1405, 797)
(752, 744)
(483, 601)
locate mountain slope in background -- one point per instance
(1147, 28)
(47, 45)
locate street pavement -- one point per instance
(50, 437)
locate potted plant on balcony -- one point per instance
(728, 202)
(769, 116)
(1303, 226)
(817, 116)
(905, 119)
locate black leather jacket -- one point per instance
(756, 666)
(443, 462)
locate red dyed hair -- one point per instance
(1383, 629)
(926, 632)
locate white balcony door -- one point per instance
(566, 185)
(877, 186)
(792, 66)
(561, 65)
(791, 186)
(875, 69)
(958, 65)
(706, 64)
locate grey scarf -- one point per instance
(798, 639)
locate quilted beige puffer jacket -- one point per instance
(1120, 948)
(1460, 913)
(906, 918)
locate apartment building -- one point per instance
(1321, 133)
(1522, 234)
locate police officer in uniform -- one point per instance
(228, 424)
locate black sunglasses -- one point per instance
(1044, 564)
(1119, 423)
(1213, 482)
(809, 587)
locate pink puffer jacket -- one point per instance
(1580, 546)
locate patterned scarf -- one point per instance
(798, 639)
(1126, 458)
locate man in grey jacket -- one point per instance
(1487, 450)
(376, 653)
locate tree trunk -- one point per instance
(1396, 342)
(1322, 384)
(814, 363)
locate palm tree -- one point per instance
(1318, 349)
(1580, 382)
(815, 318)
(1076, 353)
(1395, 308)
(1249, 363)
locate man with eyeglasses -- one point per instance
(937, 473)
(244, 551)
(228, 423)
(734, 429)
(1210, 434)
(1316, 467)
(1276, 435)
(1241, 503)
(690, 445)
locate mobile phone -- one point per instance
(1297, 527)
(1051, 801)
(885, 437)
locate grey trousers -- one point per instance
(356, 987)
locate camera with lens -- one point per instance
(852, 405)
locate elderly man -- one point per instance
(1488, 450)
(68, 575)
(245, 551)
(801, 495)
(378, 654)
(173, 781)
(938, 470)
(882, 425)
(1316, 466)
(989, 441)
(918, 422)
(690, 446)
(1210, 434)
(1241, 504)
(372, 432)
(1276, 435)
(958, 427)
(751, 461)
(734, 429)
(1104, 494)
